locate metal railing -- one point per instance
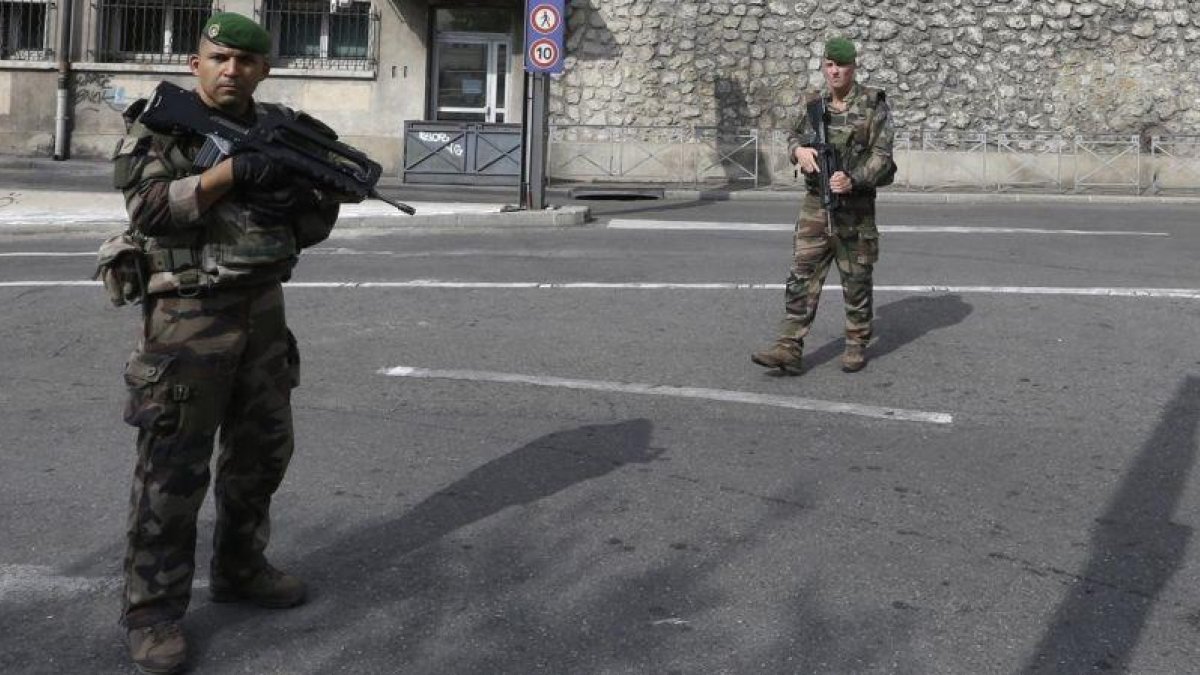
(1108, 161)
(1175, 162)
(27, 30)
(691, 155)
(322, 35)
(927, 160)
(150, 31)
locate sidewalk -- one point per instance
(39, 195)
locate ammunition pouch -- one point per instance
(121, 267)
(184, 263)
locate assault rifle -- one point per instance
(827, 159)
(301, 143)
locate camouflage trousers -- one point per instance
(855, 257)
(226, 362)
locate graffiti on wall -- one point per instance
(96, 91)
(444, 140)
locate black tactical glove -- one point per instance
(280, 205)
(255, 170)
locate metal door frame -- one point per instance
(492, 41)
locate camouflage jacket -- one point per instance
(863, 137)
(229, 243)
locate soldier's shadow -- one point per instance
(898, 324)
(354, 571)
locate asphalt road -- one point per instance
(567, 472)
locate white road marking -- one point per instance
(42, 582)
(1178, 293)
(1111, 292)
(23, 582)
(48, 254)
(51, 284)
(792, 402)
(632, 224)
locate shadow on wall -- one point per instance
(588, 37)
(737, 152)
(413, 14)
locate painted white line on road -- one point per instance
(632, 224)
(51, 284)
(1179, 293)
(25, 582)
(41, 582)
(48, 254)
(1111, 292)
(792, 402)
(960, 229)
(624, 224)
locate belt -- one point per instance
(172, 260)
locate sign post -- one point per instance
(545, 22)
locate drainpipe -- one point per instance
(61, 119)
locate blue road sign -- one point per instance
(545, 28)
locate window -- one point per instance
(151, 31)
(24, 33)
(324, 34)
(474, 19)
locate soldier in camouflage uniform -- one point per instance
(860, 129)
(216, 352)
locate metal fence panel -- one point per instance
(1108, 161)
(729, 155)
(905, 158)
(1028, 160)
(927, 160)
(461, 153)
(951, 159)
(619, 153)
(496, 151)
(1175, 164)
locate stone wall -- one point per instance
(1063, 66)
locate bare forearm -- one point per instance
(160, 206)
(215, 183)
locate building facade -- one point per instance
(368, 68)
(365, 68)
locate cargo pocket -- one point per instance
(151, 405)
(866, 249)
(293, 360)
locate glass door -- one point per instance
(471, 77)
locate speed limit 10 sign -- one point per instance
(545, 21)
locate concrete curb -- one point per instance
(559, 216)
(565, 216)
(935, 197)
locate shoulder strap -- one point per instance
(134, 111)
(873, 98)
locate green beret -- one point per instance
(239, 32)
(840, 50)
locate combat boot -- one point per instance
(854, 358)
(159, 649)
(269, 588)
(785, 355)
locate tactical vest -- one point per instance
(231, 245)
(850, 131)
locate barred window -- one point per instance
(25, 32)
(322, 34)
(151, 31)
